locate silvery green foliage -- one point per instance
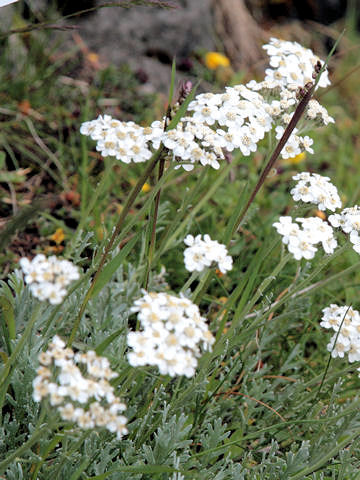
(15, 472)
(297, 458)
(79, 243)
(214, 436)
(171, 435)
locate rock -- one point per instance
(148, 38)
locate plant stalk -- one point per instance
(131, 199)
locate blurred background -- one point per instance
(147, 35)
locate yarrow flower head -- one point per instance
(77, 384)
(301, 241)
(345, 322)
(48, 277)
(202, 253)
(126, 141)
(172, 337)
(314, 188)
(292, 64)
(281, 101)
(238, 117)
(214, 124)
(349, 222)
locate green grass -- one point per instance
(263, 404)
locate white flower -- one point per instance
(314, 188)
(292, 64)
(287, 229)
(175, 340)
(301, 241)
(319, 231)
(48, 277)
(338, 346)
(306, 143)
(126, 141)
(345, 321)
(70, 387)
(301, 247)
(202, 253)
(318, 113)
(349, 221)
(237, 118)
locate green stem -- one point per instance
(19, 346)
(53, 443)
(9, 317)
(324, 456)
(241, 312)
(93, 200)
(131, 199)
(202, 287)
(153, 224)
(189, 281)
(169, 237)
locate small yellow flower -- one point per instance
(298, 159)
(214, 60)
(58, 236)
(146, 188)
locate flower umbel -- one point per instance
(48, 277)
(292, 64)
(172, 337)
(349, 221)
(345, 322)
(87, 400)
(237, 118)
(202, 253)
(314, 188)
(301, 241)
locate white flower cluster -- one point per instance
(292, 64)
(345, 321)
(314, 188)
(238, 118)
(317, 113)
(173, 332)
(125, 141)
(192, 142)
(202, 253)
(281, 102)
(48, 277)
(301, 241)
(349, 221)
(88, 400)
(295, 144)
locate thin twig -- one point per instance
(232, 392)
